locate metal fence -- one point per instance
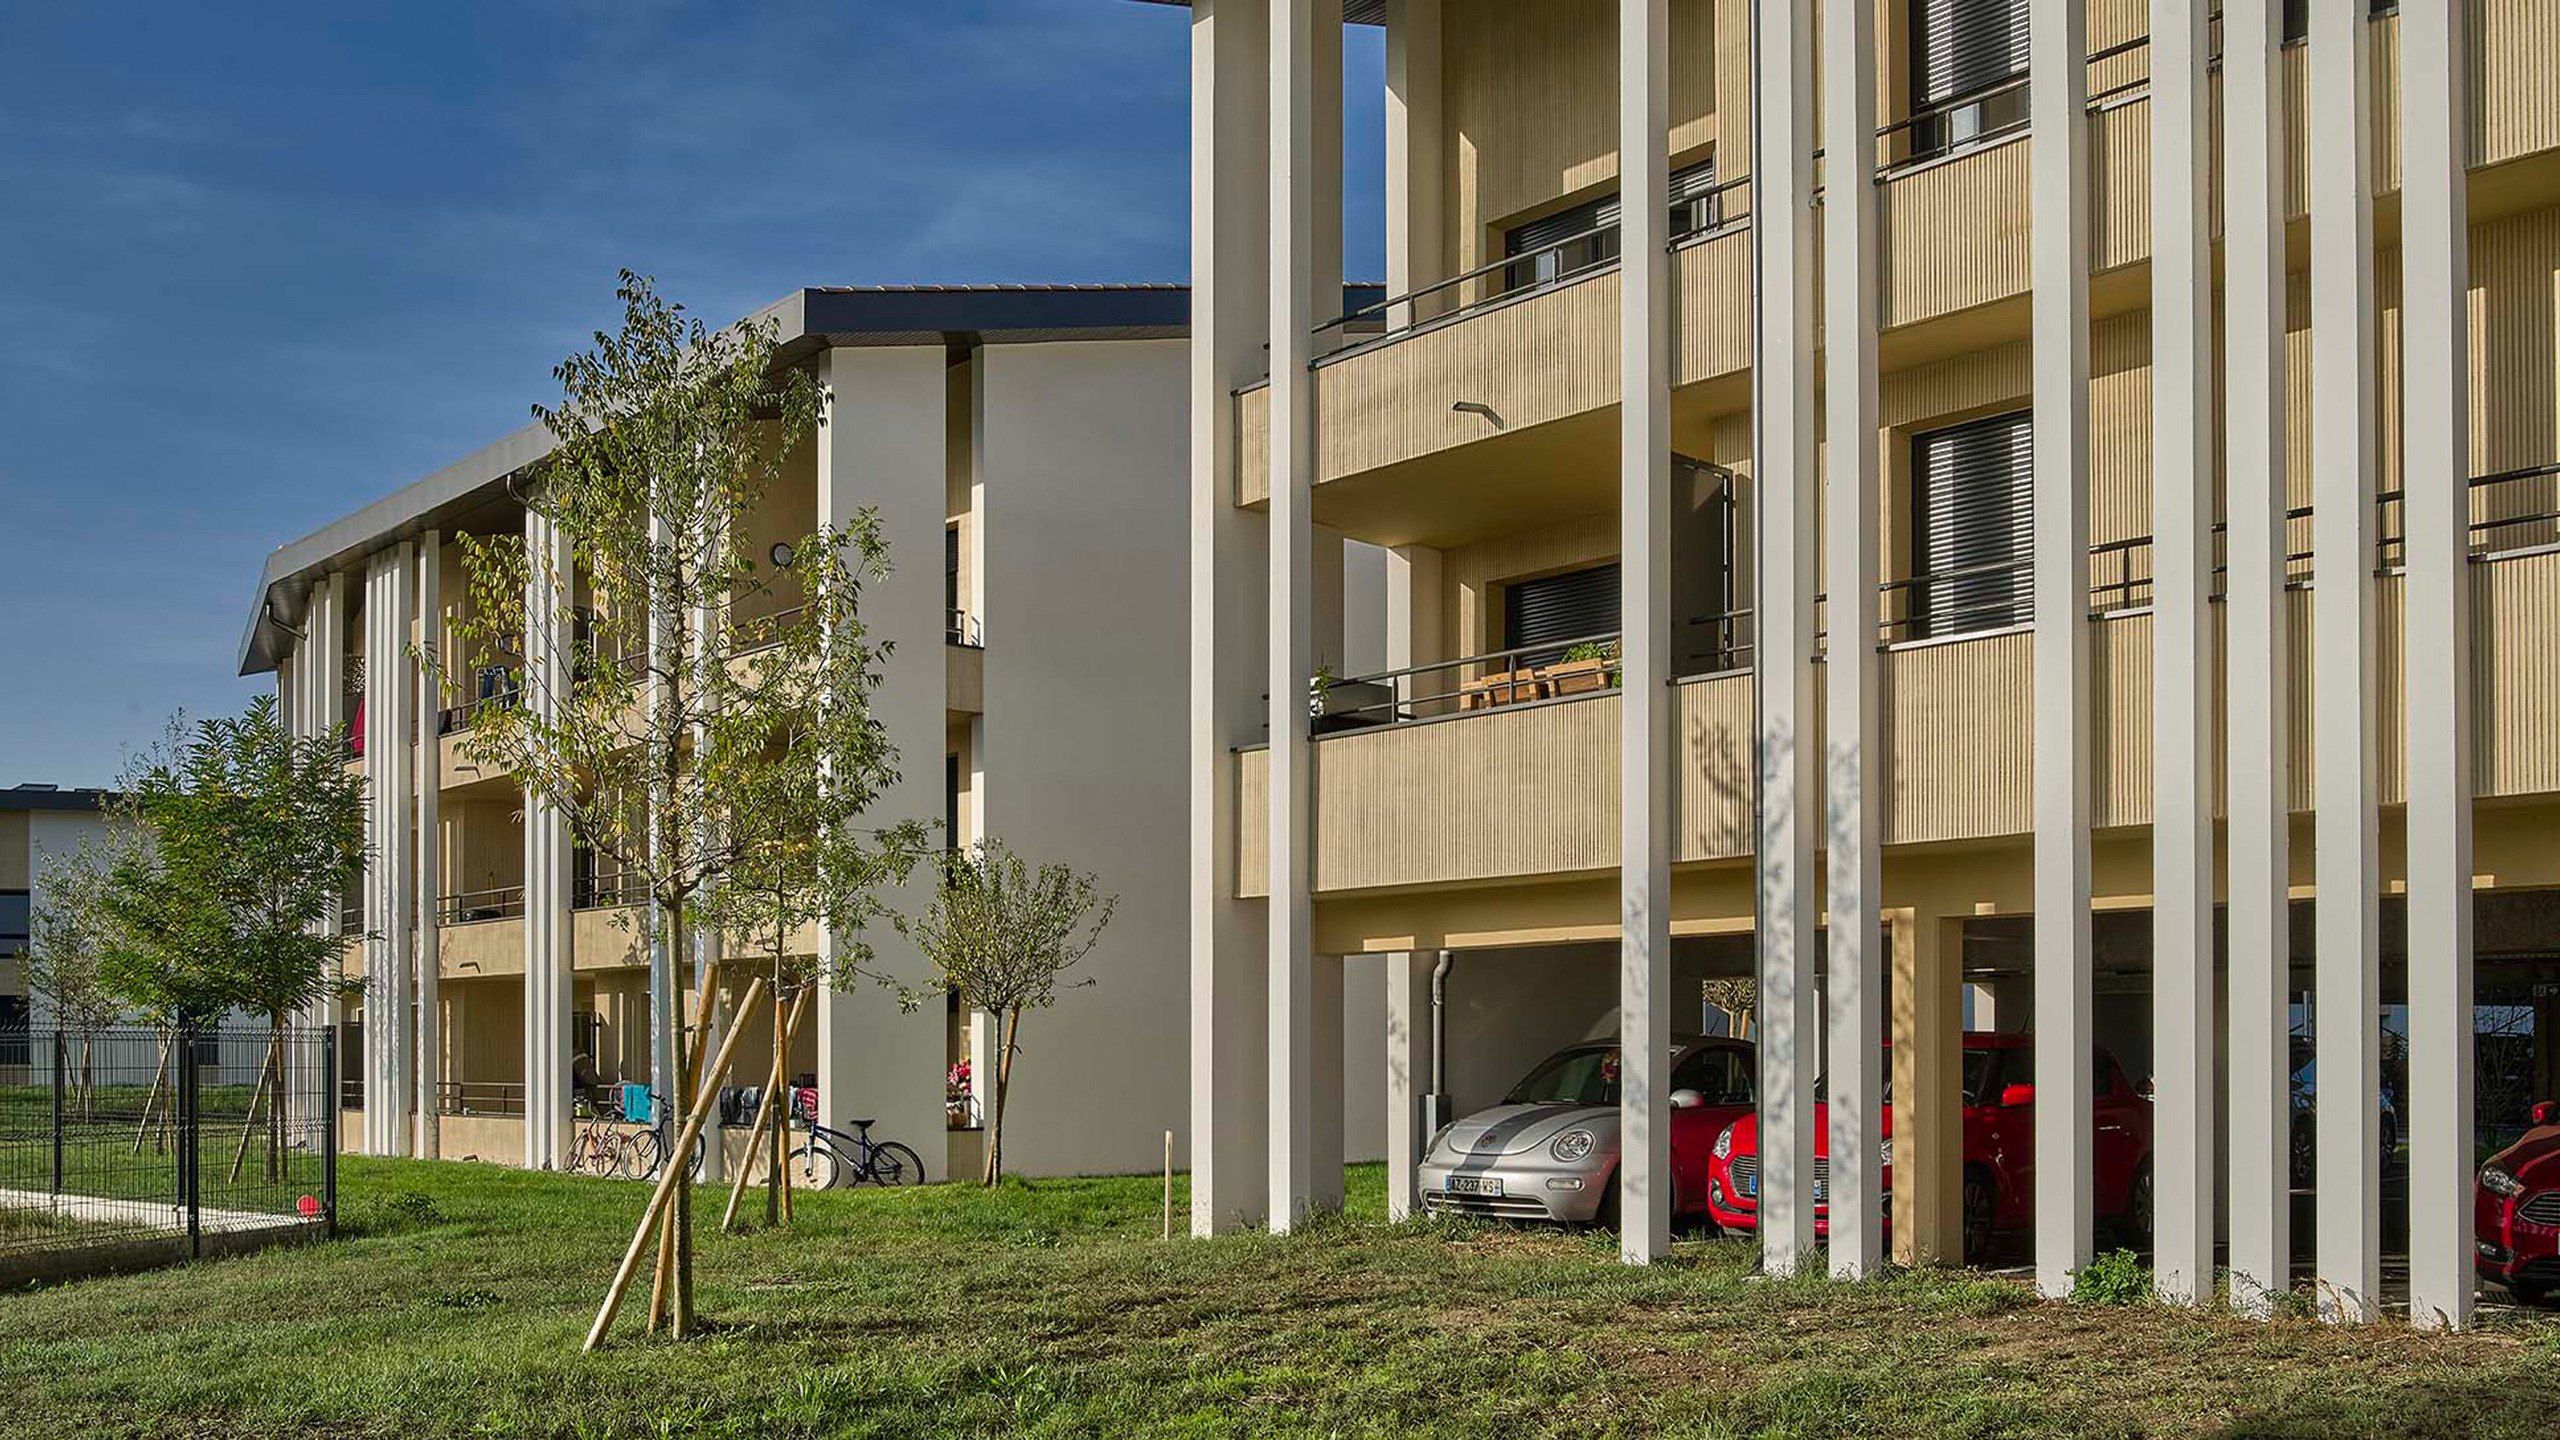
(125, 1139)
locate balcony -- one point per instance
(1504, 767)
(1496, 388)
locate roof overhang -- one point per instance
(805, 322)
(1354, 12)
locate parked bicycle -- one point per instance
(605, 1144)
(830, 1157)
(647, 1149)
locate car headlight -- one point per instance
(1571, 1147)
(2498, 1182)
(1724, 1142)
(1887, 1150)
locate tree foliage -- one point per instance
(1005, 936)
(710, 737)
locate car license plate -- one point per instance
(1475, 1185)
(1821, 1192)
(1748, 1186)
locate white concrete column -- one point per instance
(1417, 236)
(2182, 1066)
(390, 872)
(882, 447)
(1785, 536)
(1854, 727)
(2435, 349)
(1409, 1126)
(2058, 46)
(2258, 659)
(550, 587)
(1303, 171)
(1230, 318)
(428, 855)
(1644, 543)
(2347, 982)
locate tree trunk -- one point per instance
(1008, 1033)
(150, 1100)
(776, 1113)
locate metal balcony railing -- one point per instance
(959, 627)
(469, 907)
(2515, 512)
(480, 1097)
(607, 892)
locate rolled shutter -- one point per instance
(1973, 509)
(1961, 46)
(1556, 610)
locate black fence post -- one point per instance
(190, 1137)
(58, 1077)
(329, 1116)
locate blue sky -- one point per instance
(260, 264)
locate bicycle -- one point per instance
(831, 1156)
(598, 1147)
(644, 1152)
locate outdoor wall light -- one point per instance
(1478, 407)
(782, 554)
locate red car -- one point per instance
(1999, 1149)
(2516, 1210)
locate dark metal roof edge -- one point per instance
(36, 797)
(1354, 12)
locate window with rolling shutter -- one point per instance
(1695, 207)
(1548, 614)
(1962, 53)
(1972, 510)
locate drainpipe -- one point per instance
(1435, 1106)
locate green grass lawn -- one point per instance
(456, 1302)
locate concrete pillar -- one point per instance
(2183, 1143)
(1928, 1079)
(2347, 981)
(2436, 463)
(1417, 236)
(1644, 544)
(2259, 763)
(428, 854)
(2058, 46)
(1409, 1122)
(882, 448)
(1230, 319)
(1854, 821)
(1326, 602)
(1417, 625)
(1784, 479)
(550, 590)
(390, 874)
(1305, 288)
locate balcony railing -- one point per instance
(480, 1097)
(470, 907)
(1936, 605)
(1927, 136)
(959, 627)
(454, 719)
(607, 892)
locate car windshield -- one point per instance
(1981, 1079)
(1587, 1075)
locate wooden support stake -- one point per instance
(159, 1074)
(249, 1122)
(1168, 1184)
(667, 1183)
(769, 1122)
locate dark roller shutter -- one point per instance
(1961, 46)
(1557, 610)
(1972, 509)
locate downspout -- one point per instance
(1436, 1104)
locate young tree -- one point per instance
(68, 937)
(678, 729)
(1004, 936)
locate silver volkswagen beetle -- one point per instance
(1549, 1151)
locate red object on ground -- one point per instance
(1999, 1147)
(2518, 1225)
(309, 1207)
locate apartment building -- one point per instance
(1023, 447)
(39, 824)
(2165, 402)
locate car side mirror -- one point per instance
(2547, 1112)
(1687, 1100)
(2017, 1097)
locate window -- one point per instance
(1971, 516)
(16, 1044)
(1965, 54)
(1545, 257)
(1550, 613)
(1720, 1075)
(2297, 17)
(16, 914)
(951, 568)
